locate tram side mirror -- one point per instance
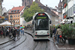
(32, 22)
(50, 22)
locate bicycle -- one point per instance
(62, 41)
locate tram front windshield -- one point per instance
(41, 24)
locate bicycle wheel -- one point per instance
(61, 41)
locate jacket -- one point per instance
(59, 32)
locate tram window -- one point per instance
(41, 24)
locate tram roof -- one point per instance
(43, 12)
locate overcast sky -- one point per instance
(8, 4)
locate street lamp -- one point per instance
(11, 20)
(14, 22)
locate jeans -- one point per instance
(22, 32)
(58, 38)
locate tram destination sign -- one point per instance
(41, 17)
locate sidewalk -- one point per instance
(66, 46)
(4, 40)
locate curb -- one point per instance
(5, 42)
(65, 48)
(12, 39)
(29, 34)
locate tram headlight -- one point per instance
(47, 33)
(36, 33)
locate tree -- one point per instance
(29, 12)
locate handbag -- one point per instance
(1, 32)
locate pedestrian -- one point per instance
(10, 32)
(23, 31)
(4, 32)
(0, 31)
(58, 33)
(54, 34)
(7, 32)
(14, 34)
(18, 32)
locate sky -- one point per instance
(9, 4)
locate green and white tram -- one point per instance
(41, 26)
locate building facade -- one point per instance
(1, 7)
(15, 15)
(68, 8)
(59, 10)
(26, 2)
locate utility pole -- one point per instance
(11, 20)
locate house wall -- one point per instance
(15, 17)
(54, 20)
(4, 10)
(0, 7)
(69, 9)
(22, 21)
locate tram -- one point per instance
(41, 26)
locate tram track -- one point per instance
(7, 44)
(13, 46)
(19, 43)
(39, 45)
(37, 42)
(12, 42)
(35, 45)
(22, 41)
(46, 46)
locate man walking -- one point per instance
(58, 33)
(54, 34)
(18, 32)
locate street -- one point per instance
(29, 44)
(26, 43)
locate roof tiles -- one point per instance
(20, 8)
